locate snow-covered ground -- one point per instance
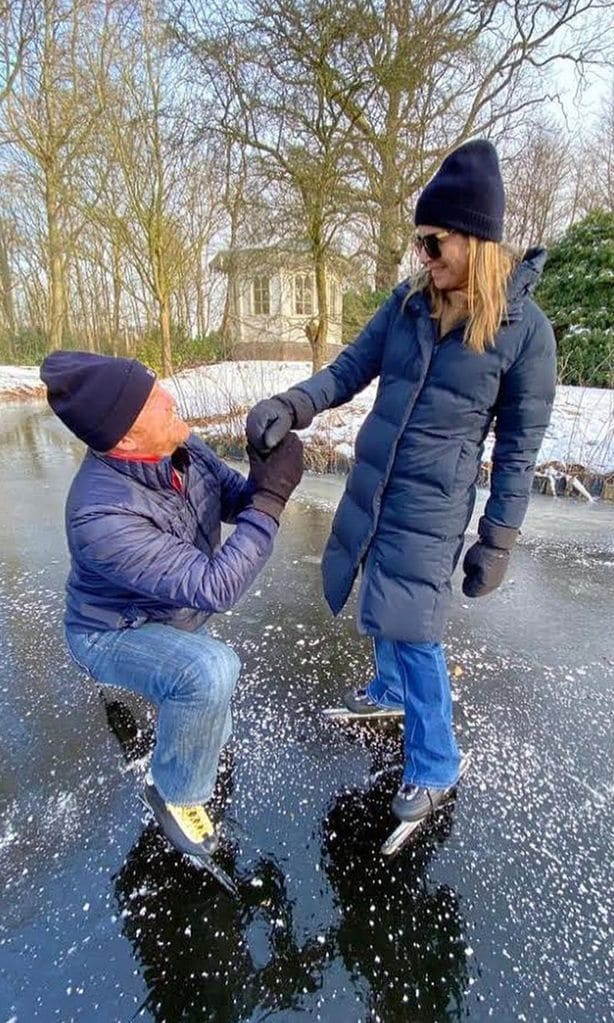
(581, 431)
(18, 383)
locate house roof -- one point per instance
(292, 255)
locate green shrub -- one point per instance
(29, 347)
(358, 308)
(577, 294)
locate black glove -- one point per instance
(275, 476)
(486, 561)
(270, 420)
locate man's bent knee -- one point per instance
(211, 675)
(220, 659)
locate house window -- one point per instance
(303, 295)
(261, 296)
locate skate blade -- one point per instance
(401, 834)
(465, 764)
(222, 878)
(200, 862)
(404, 831)
(344, 714)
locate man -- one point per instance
(147, 569)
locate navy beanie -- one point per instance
(98, 397)
(466, 194)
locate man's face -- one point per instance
(157, 430)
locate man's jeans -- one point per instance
(190, 677)
(415, 676)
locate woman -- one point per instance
(461, 346)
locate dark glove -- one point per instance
(270, 420)
(275, 476)
(486, 561)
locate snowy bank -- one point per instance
(581, 432)
(217, 398)
(20, 383)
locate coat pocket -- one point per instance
(449, 468)
(465, 467)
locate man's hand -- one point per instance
(272, 419)
(486, 561)
(275, 477)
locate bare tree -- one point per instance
(354, 108)
(118, 206)
(438, 72)
(235, 178)
(50, 115)
(143, 171)
(605, 143)
(266, 65)
(598, 155)
(536, 175)
(7, 304)
(18, 21)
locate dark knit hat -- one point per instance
(466, 194)
(98, 397)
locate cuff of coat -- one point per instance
(501, 537)
(267, 503)
(300, 406)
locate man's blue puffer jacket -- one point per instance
(141, 551)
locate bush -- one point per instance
(186, 351)
(26, 348)
(577, 294)
(30, 346)
(198, 351)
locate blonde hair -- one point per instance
(489, 269)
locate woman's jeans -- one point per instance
(415, 676)
(190, 677)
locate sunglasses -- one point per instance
(430, 243)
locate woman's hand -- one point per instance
(486, 561)
(272, 419)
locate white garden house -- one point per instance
(272, 296)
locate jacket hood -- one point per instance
(525, 279)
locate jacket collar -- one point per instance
(154, 475)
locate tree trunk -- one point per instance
(229, 315)
(201, 300)
(87, 312)
(165, 334)
(117, 298)
(55, 304)
(389, 248)
(234, 201)
(389, 245)
(320, 335)
(6, 290)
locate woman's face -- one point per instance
(449, 272)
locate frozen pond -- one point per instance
(502, 910)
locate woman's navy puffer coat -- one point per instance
(410, 495)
